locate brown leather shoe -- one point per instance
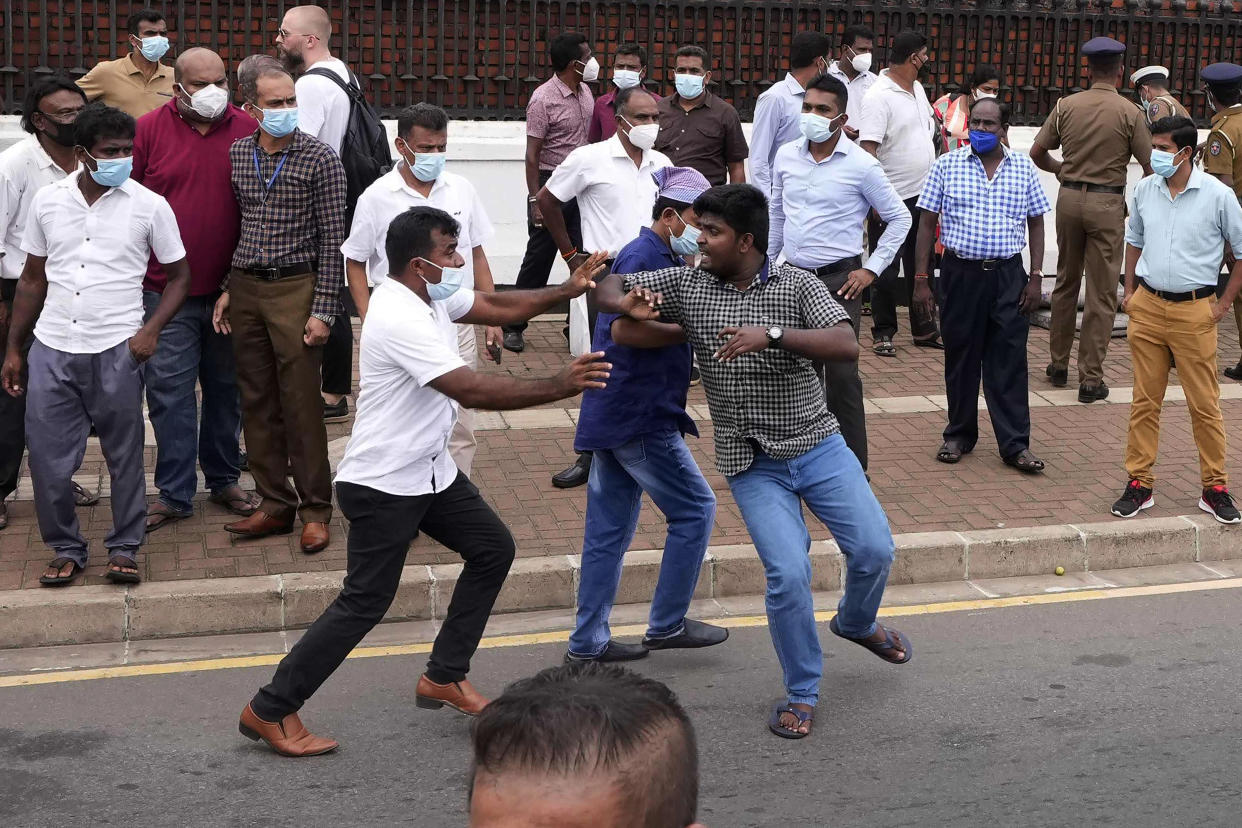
(459, 695)
(259, 525)
(315, 538)
(288, 737)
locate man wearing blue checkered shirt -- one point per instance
(986, 199)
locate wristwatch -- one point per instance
(324, 318)
(775, 334)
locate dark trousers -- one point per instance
(985, 336)
(338, 351)
(843, 386)
(541, 250)
(885, 291)
(12, 411)
(381, 528)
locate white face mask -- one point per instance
(980, 95)
(626, 78)
(642, 136)
(861, 63)
(209, 102)
(590, 70)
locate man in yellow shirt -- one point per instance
(136, 83)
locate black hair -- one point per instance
(1104, 64)
(599, 722)
(633, 49)
(741, 206)
(623, 97)
(97, 121)
(564, 49)
(1005, 112)
(1227, 95)
(425, 115)
(905, 46)
(827, 83)
(144, 16)
(43, 86)
(695, 51)
(663, 203)
(808, 47)
(856, 33)
(980, 76)
(1181, 129)
(409, 235)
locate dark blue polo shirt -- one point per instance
(646, 391)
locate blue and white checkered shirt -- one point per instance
(981, 218)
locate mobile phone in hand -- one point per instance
(494, 352)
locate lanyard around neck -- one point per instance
(267, 183)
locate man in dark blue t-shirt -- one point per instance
(635, 427)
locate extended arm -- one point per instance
(635, 334)
(515, 306)
(499, 392)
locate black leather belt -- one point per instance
(839, 266)
(275, 272)
(1188, 296)
(1093, 188)
(983, 264)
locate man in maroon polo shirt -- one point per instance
(181, 151)
(629, 68)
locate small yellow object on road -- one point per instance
(1060, 570)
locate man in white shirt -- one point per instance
(615, 193)
(88, 240)
(823, 188)
(420, 179)
(43, 158)
(398, 479)
(898, 127)
(779, 107)
(853, 68)
(303, 45)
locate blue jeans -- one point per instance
(191, 351)
(830, 481)
(660, 465)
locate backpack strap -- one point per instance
(353, 89)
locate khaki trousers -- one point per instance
(1188, 331)
(462, 443)
(278, 380)
(1090, 233)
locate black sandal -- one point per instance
(58, 579)
(884, 347)
(83, 496)
(893, 641)
(951, 452)
(119, 575)
(1025, 462)
(774, 721)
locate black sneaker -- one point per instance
(1218, 503)
(695, 376)
(337, 412)
(1134, 499)
(1059, 377)
(615, 651)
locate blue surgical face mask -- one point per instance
(689, 86)
(1162, 163)
(983, 142)
(451, 280)
(427, 166)
(153, 48)
(816, 128)
(111, 172)
(687, 244)
(279, 122)
(626, 78)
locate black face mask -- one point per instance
(64, 134)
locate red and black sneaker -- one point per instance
(1134, 499)
(1218, 503)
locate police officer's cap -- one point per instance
(1148, 73)
(1223, 75)
(1103, 47)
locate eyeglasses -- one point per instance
(288, 34)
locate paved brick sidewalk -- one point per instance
(1081, 444)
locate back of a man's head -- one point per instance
(584, 744)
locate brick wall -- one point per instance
(481, 58)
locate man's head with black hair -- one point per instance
(52, 103)
(733, 220)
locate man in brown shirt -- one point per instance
(698, 129)
(1222, 155)
(1097, 131)
(136, 83)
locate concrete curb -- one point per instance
(95, 614)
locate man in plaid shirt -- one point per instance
(280, 301)
(757, 330)
(986, 199)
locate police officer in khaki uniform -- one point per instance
(1222, 155)
(1151, 87)
(1097, 131)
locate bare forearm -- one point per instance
(483, 281)
(1133, 254)
(926, 242)
(1035, 228)
(608, 294)
(1233, 286)
(835, 344)
(499, 392)
(27, 305)
(532, 168)
(515, 306)
(356, 277)
(737, 172)
(554, 220)
(173, 297)
(646, 334)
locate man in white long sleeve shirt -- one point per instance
(778, 108)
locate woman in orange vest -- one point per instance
(953, 109)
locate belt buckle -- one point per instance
(989, 264)
(269, 274)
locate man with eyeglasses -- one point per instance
(136, 83)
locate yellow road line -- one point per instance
(560, 636)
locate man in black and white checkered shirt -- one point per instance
(757, 330)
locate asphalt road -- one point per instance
(1114, 712)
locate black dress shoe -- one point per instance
(1234, 373)
(337, 412)
(1091, 393)
(575, 475)
(615, 651)
(1059, 377)
(514, 341)
(696, 634)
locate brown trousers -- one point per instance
(282, 410)
(1090, 233)
(1186, 331)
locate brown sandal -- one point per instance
(160, 513)
(236, 500)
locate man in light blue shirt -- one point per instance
(778, 109)
(1182, 219)
(823, 187)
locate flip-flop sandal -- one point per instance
(83, 496)
(774, 721)
(1031, 465)
(58, 579)
(892, 642)
(933, 343)
(238, 504)
(160, 514)
(117, 576)
(951, 453)
(884, 347)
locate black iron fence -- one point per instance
(482, 58)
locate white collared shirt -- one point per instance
(399, 443)
(614, 195)
(97, 257)
(855, 89)
(903, 124)
(389, 196)
(25, 168)
(777, 114)
(323, 107)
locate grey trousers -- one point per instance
(65, 393)
(842, 385)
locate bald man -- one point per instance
(181, 151)
(303, 45)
